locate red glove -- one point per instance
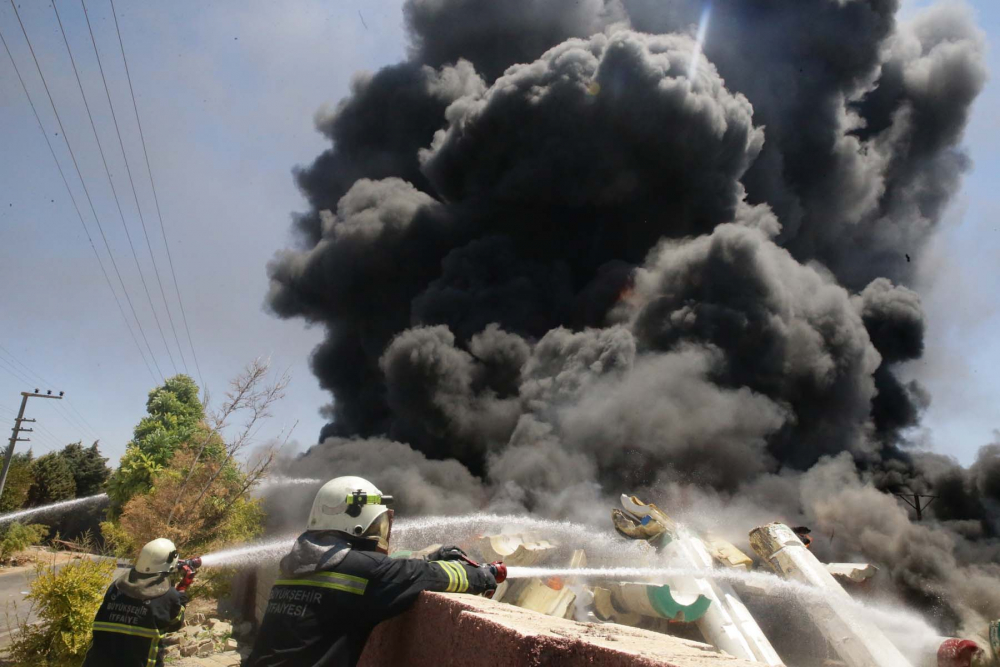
(187, 578)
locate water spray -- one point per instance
(280, 480)
(421, 531)
(52, 507)
(418, 532)
(428, 529)
(251, 554)
(888, 618)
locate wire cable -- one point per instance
(135, 196)
(86, 423)
(48, 385)
(42, 431)
(71, 421)
(12, 371)
(86, 191)
(156, 199)
(73, 426)
(86, 231)
(78, 422)
(114, 191)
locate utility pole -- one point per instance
(915, 504)
(17, 430)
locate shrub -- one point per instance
(118, 541)
(18, 537)
(224, 515)
(66, 600)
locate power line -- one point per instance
(135, 196)
(15, 435)
(51, 440)
(22, 365)
(13, 372)
(86, 231)
(86, 191)
(72, 422)
(114, 191)
(156, 199)
(73, 425)
(81, 423)
(86, 423)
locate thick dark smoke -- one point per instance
(555, 263)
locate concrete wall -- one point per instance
(443, 628)
(266, 576)
(472, 631)
(249, 593)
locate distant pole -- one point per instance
(915, 503)
(16, 431)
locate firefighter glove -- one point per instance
(187, 577)
(448, 553)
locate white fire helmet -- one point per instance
(157, 556)
(354, 506)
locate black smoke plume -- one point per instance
(555, 261)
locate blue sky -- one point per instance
(960, 281)
(227, 93)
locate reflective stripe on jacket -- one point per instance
(128, 632)
(323, 618)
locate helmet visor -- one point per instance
(379, 530)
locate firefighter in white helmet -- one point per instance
(338, 582)
(138, 609)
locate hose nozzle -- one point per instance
(499, 571)
(193, 563)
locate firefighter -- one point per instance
(338, 582)
(138, 609)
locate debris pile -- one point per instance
(732, 607)
(204, 636)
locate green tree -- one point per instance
(53, 480)
(199, 496)
(88, 466)
(173, 408)
(19, 479)
(174, 416)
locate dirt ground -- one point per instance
(27, 559)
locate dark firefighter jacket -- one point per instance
(331, 594)
(137, 611)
